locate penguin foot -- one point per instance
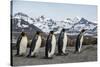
(33, 56)
(16, 54)
(62, 54)
(76, 52)
(59, 54)
(28, 56)
(20, 55)
(48, 57)
(65, 54)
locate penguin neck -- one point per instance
(61, 33)
(50, 36)
(81, 33)
(24, 36)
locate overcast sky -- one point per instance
(56, 11)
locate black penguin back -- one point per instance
(60, 42)
(48, 45)
(18, 44)
(78, 41)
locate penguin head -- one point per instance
(38, 32)
(23, 33)
(51, 32)
(63, 30)
(83, 30)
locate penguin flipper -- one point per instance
(18, 45)
(50, 46)
(18, 41)
(32, 46)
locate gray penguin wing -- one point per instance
(33, 44)
(18, 41)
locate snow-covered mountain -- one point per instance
(72, 25)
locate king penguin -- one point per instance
(35, 45)
(21, 44)
(62, 43)
(79, 41)
(50, 45)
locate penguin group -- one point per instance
(50, 46)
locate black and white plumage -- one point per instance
(79, 41)
(62, 42)
(35, 45)
(22, 44)
(50, 45)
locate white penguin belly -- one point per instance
(23, 45)
(81, 40)
(53, 43)
(64, 43)
(37, 46)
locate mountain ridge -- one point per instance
(47, 24)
